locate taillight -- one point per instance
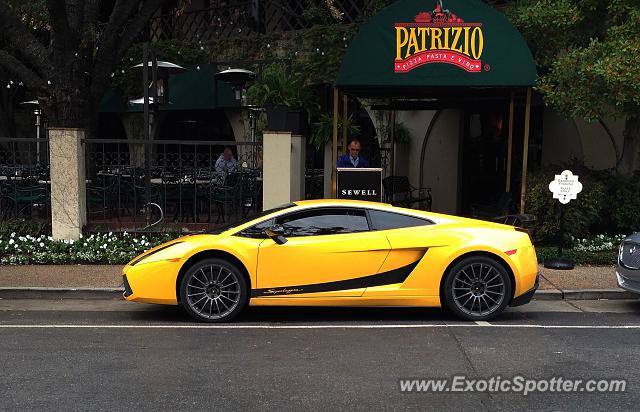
(527, 231)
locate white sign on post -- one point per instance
(565, 187)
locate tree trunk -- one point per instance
(65, 107)
(630, 161)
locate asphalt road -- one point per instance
(111, 355)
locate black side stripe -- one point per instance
(398, 275)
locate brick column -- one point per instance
(68, 192)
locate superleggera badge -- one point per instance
(284, 291)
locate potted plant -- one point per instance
(284, 95)
(323, 130)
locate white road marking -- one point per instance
(482, 323)
(389, 326)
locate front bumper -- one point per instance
(527, 296)
(626, 283)
(127, 288)
(153, 282)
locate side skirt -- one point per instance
(401, 301)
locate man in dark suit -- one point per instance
(353, 158)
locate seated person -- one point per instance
(226, 163)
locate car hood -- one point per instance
(633, 238)
(167, 251)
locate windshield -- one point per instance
(224, 228)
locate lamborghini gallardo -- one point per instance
(340, 253)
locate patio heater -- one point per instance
(37, 111)
(159, 86)
(160, 77)
(238, 79)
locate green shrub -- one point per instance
(623, 204)
(24, 226)
(579, 257)
(581, 215)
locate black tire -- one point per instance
(477, 288)
(214, 290)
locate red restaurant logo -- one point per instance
(438, 37)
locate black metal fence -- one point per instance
(185, 185)
(240, 18)
(24, 179)
(314, 183)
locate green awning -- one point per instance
(195, 89)
(453, 43)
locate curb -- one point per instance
(116, 293)
(584, 294)
(61, 293)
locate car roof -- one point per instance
(434, 217)
(342, 202)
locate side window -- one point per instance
(387, 220)
(257, 231)
(324, 221)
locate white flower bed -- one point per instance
(107, 248)
(600, 243)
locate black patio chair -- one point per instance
(492, 209)
(399, 192)
(6, 203)
(227, 196)
(251, 192)
(27, 196)
(179, 196)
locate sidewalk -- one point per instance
(584, 282)
(61, 276)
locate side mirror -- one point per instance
(276, 233)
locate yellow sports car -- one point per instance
(340, 253)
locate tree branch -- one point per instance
(75, 14)
(616, 148)
(115, 42)
(61, 31)
(122, 11)
(91, 12)
(22, 40)
(134, 28)
(15, 66)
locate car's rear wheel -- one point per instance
(477, 288)
(213, 290)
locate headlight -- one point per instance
(620, 250)
(146, 255)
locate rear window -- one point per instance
(388, 220)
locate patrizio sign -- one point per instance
(439, 37)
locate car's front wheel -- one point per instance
(477, 288)
(213, 290)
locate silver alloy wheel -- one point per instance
(213, 291)
(478, 289)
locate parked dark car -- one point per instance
(628, 270)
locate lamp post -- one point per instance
(254, 113)
(160, 95)
(37, 111)
(238, 79)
